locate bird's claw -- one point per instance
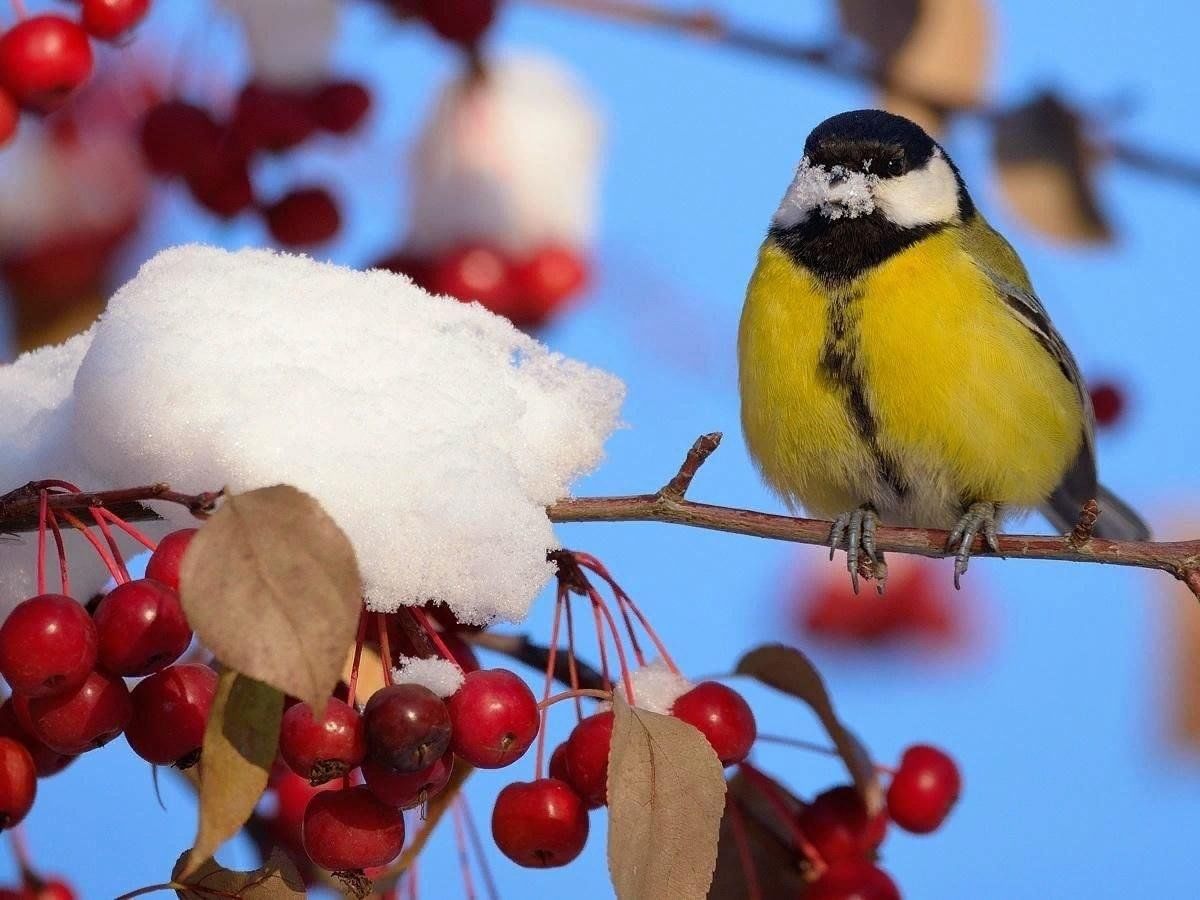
(980, 518)
(857, 530)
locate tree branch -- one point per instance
(1179, 558)
(19, 507)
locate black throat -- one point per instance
(839, 250)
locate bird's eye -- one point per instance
(896, 166)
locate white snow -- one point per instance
(511, 160)
(432, 431)
(835, 192)
(289, 41)
(441, 676)
(655, 687)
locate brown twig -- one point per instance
(19, 507)
(1179, 558)
(523, 650)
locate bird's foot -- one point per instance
(980, 518)
(857, 531)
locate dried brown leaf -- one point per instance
(787, 669)
(270, 585)
(240, 744)
(1045, 170)
(370, 672)
(883, 25)
(276, 879)
(666, 795)
(776, 873)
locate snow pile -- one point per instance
(509, 160)
(656, 687)
(836, 192)
(289, 41)
(432, 431)
(441, 676)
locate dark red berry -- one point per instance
(325, 748)
(339, 106)
(417, 268)
(272, 119)
(167, 556)
(304, 217)
(540, 824)
(170, 710)
(495, 718)
(221, 184)
(292, 794)
(408, 727)
(462, 21)
(1108, 403)
(18, 782)
(10, 115)
(558, 764)
(837, 825)
(110, 19)
(475, 272)
(351, 829)
(586, 758)
(461, 651)
(405, 791)
(46, 761)
(42, 60)
(545, 280)
(923, 790)
(141, 628)
(47, 646)
(723, 716)
(88, 717)
(853, 879)
(177, 138)
(52, 889)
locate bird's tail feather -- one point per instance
(1117, 522)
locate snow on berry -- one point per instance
(656, 687)
(495, 149)
(289, 41)
(439, 675)
(432, 431)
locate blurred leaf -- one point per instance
(370, 672)
(883, 25)
(277, 879)
(1045, 172)
(240, 744)
(666, 791)
(787, 669)
(776, 866)
(270, 584)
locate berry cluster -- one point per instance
(213, 157)
(44, 59)
(528, 290)
(38, 888)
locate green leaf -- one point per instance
(276, 879)
(270, 584)
(240, 743)
(787, 669)
(666, 794)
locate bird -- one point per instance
(895, 364)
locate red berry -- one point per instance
(177, 138)
(170, 710)
(540, 824)
(18, 782)
(853, 879)
(221, 184)
(109, 19)
(53, 889)
(292, 794)
(352, 829)
(558, 764)
(837, 826)
(42, 60)
(923, 790)
(46, 761)
(339, 106)
(405, 791)
(167, 556)
(325, 748)
(1108, 403)
(272, 119)
(495, 718)
(547, 278)
(88, 717)
(303, 217)
(586, 758)
(10, 115)
(408, 727)
(47, 646)
(461, 21)
(723, 716)
(475, 272)
(141, 628)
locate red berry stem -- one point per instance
(96, 545)
(102, 524)
(19, 10)
(568, 695)
(737, 825)
(139, 536)
(464, 857)
(43, 509)
(539, 770)
(423, 620)
(480, 853)
(626, 602)
(600, 606)
(770, 792)
(572, 666)
(64, 575)
(20, 848)
(359, 640)
(413, 873)
(385, 647)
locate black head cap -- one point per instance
(880, 142)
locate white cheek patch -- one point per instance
(835, 193)
(922, 197)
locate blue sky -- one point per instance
(1069, 791)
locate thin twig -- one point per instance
(1179, 558)
(18, 508)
